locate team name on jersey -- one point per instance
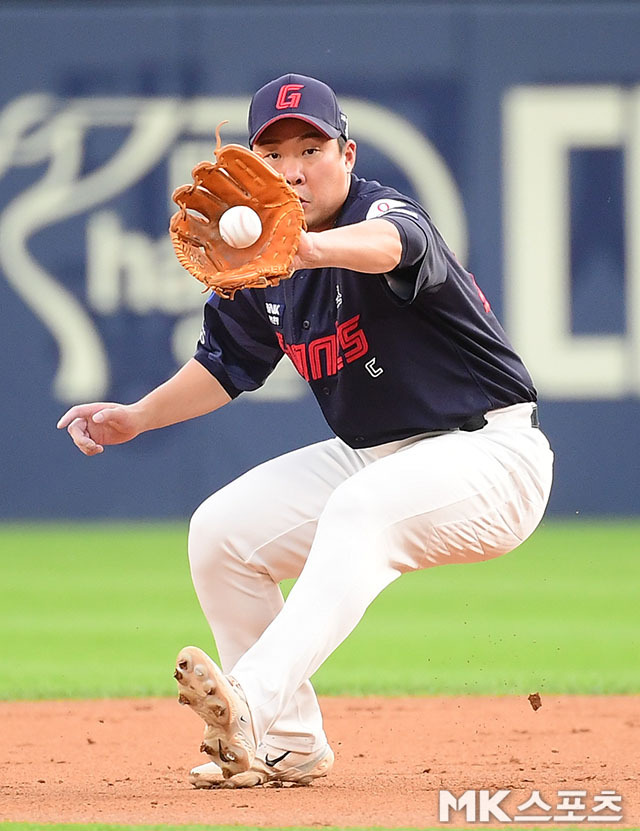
(327, 355)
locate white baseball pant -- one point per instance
(347, 523)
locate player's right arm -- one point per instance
(191, 392)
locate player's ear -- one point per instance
(349, 155)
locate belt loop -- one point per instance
(474, 423)
(535, 418)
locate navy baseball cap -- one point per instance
(296, 96)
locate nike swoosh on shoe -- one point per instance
(271, 762)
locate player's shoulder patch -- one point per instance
(384, 206)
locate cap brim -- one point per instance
(326, 129)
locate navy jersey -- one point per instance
(386, 356)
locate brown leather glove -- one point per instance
(239, 177)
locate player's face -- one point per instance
(313, 165)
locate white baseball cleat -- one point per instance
(220, 702)
(268, 766)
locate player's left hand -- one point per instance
(239, 178)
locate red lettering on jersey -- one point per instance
(327, 355)
(352, 340)
(289, 97)
(297, 355)
(329, 346)
(485, 302)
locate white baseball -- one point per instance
(240, 226)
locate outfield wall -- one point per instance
(517, 125)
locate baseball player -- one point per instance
(437, 457)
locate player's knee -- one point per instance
(207, 534)
(353, 505)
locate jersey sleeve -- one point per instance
(237, 345)
(423, 266)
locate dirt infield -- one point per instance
(126, 761)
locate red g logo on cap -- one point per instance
(289, 97)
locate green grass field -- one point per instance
(559, 615)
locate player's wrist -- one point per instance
(141, 416)
(308, 250)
